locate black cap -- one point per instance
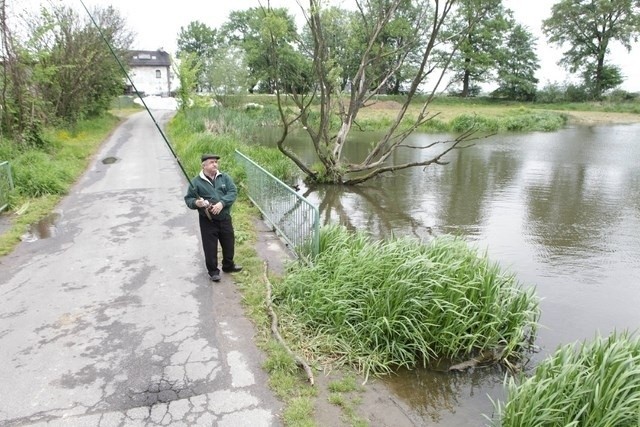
(209, 156)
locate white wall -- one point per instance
(145, 80)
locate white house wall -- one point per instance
(146, 81)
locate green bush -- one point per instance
(465, 122)
(551, 93)
(529, 120)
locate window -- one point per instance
(158, 74)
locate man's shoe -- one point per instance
(215, 277)
(234, 269)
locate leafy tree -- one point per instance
(485, 23)
(266, 36)
(189, 68)
(342, 41)
(325, 103)
(517, 66)
(347, 36)
(227, 74)
(610, 78)
(588, 27)
(395, 45)
(74, 71)
(201, 41)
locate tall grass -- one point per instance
(596, 385)
(50, 169)
(379, 305)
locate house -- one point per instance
(150, 72)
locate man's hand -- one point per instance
(216, 208)
(201, 203)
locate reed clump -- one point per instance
(380, 305)
(597, 384)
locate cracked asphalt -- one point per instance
(112, 320)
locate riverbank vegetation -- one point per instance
(596, 384)
(401, 303)
(450, 115)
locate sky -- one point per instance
(157, 24)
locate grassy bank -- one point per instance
(451, 114)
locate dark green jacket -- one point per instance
(222, 190)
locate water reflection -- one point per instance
(561, 210)
(447, 398)
(43, 229)
(363, 207)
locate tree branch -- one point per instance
(379, 167)
(276, 334)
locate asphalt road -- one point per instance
(112, 321)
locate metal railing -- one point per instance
(6, 184)
(293, 217)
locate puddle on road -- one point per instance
(43, 229)
(109, 160)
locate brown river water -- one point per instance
(559, 209)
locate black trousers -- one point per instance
(212, 231)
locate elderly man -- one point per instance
(212, 193)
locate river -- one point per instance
(559, 209)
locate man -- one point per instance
(212, 193)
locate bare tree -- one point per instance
(317, 107)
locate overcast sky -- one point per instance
(157, 24)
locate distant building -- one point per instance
(150, 71)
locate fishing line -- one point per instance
(175, 156)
